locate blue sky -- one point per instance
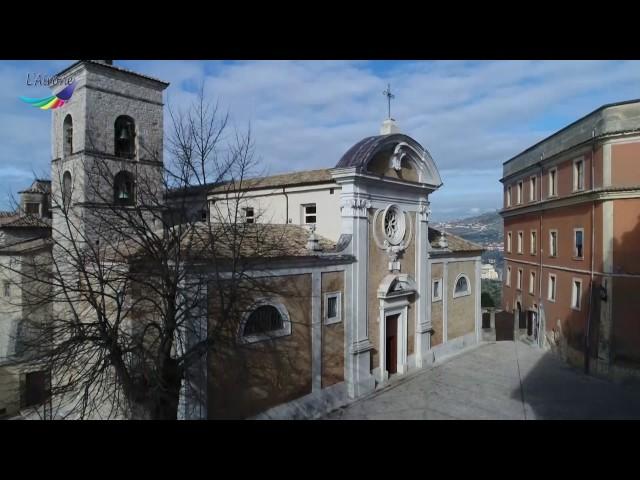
(471, 115)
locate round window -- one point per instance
(394, 224)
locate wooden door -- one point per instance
(504, 326)
(392, 344)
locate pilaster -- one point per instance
(423, 281)
(316, 331)
(358, 347)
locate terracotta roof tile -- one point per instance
(269, 241)
(27, 221)
(307, 177)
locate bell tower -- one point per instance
(107, 142)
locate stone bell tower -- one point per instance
(106, 141)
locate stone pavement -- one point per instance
(498, 380)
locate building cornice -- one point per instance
(607, 119)
(275, 266)
(352, 174)
(598, 194)
(120, 94)
(109, 156)
(575, 149)
(114, 68)
(570, 269)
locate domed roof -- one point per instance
(360, 154)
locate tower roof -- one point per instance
(38, 186)
(102, 64)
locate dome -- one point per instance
(367, 154)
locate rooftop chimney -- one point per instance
(442, 241)
(389, 126)
(313, 243)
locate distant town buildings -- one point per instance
(488, 272)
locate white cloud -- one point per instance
(307, 114)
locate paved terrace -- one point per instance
(495, 381)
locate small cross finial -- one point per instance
(387, 93)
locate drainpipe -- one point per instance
(286, 220)
(587, 346)
(539, 240)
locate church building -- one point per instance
(371, 293)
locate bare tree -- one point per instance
(124, 289)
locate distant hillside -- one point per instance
(485, 229)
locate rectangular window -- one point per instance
(578, 175)
(436, 294)
(552, 287)
(249, 215)
(532, 282)
(509, 242)
(509, 196)
(519, 192)
(578, 243)
(32, 208)
(576, 294)
(533, 247)
(553, 182)
(519, 284)
(6, 288)
(520, 236)
(532, 189)
(508, 279)
(553, 243)
(309, 213)
(332, 307)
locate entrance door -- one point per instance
(392, 344)
(504, 326)
(530, 318)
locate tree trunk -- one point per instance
(165, 401)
